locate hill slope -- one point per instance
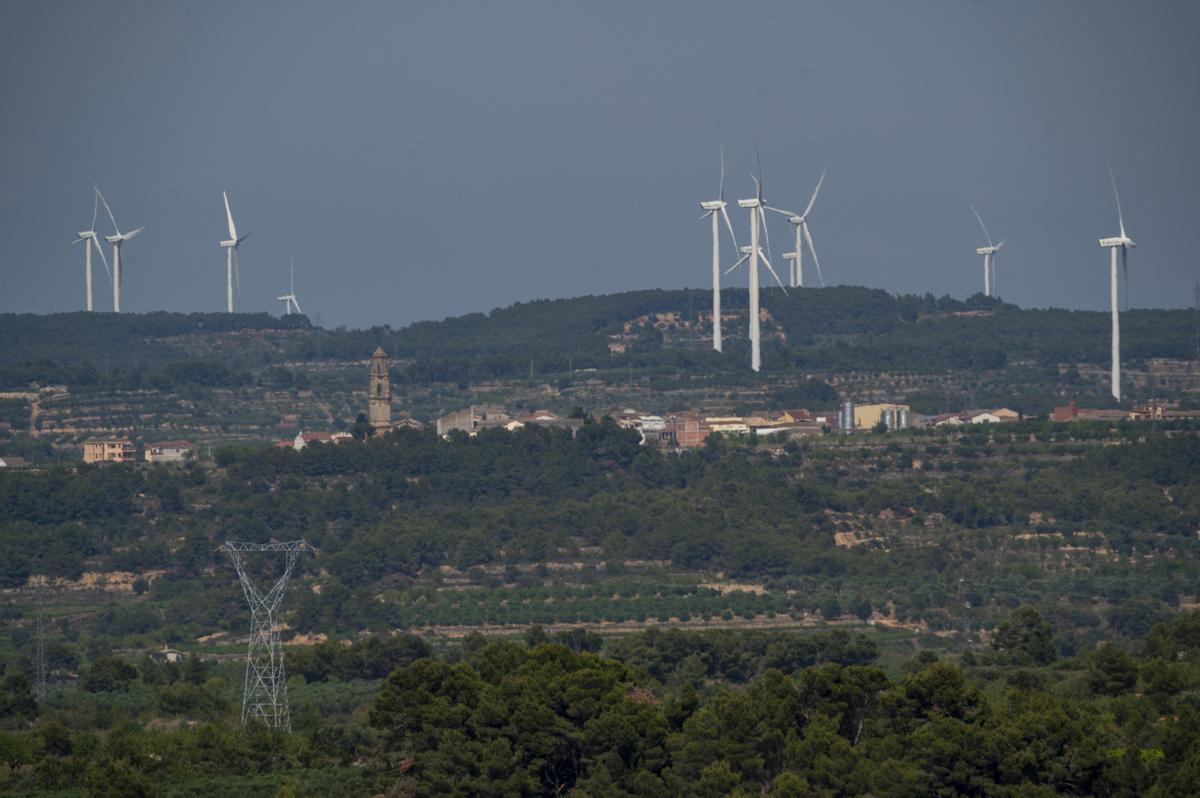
(832, 329)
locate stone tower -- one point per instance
(379, 403)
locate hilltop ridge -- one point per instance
(842, 328)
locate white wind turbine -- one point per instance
(989, 256)
(289, 299)
(1121, 242)
(90, 240)
(753, 253)
(799, 223)
(117, 239)
(715, 209)
(233, 263)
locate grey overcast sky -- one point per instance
(438, 158)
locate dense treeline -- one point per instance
(657, 714)
(83, 349)
(544, 721)
(829, 330)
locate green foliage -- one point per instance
(545, 720)
(17, 703)
(1111, 671)
(367, 659)
(1026, 638)
(109, 675)
(837, 328)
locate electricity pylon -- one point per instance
(265, 694)
(40, 688)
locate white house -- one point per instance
(168, 452)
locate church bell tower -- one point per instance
(379, 404)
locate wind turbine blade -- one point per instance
(104, 260)
(812, 200)
(705, 215)
(771, 269)
(1125, 271)
(1001, 243)
(780, 211)
(721, 196)
(128, 236)
(95, 211)
(111, 218)
(980, 218)
(762, 219)
(233, 236)
(243, 238)
(759, 182)
(729, 227)
(1120, 216)
(741, 260)
(813, 250)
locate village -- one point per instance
(679, 430)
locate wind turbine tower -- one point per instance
(754, 253)
(117, 239)
(799, 224)
(233, 263)
(1120, 242)
(714, 209)
(989, 257)
(289, 299)
(89, 239)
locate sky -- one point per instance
(424, 160)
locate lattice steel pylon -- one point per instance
(265, 694)
(40, 655)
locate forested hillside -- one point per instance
(826, 330)
(539, 527)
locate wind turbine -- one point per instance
(715, 209)
(233, 263)
(90, 240)
(753, 253)
(289, 299)
(117, 239)
(989, 256)
(1121, 242)
(799, 224)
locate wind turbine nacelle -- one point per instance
(754, 202)
(86, 234)
(1117, 241)
(795, 220)
(114, 239)
(712, 205)
(789, 256)
(744, 250)
(229, 242)
(985, 250)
